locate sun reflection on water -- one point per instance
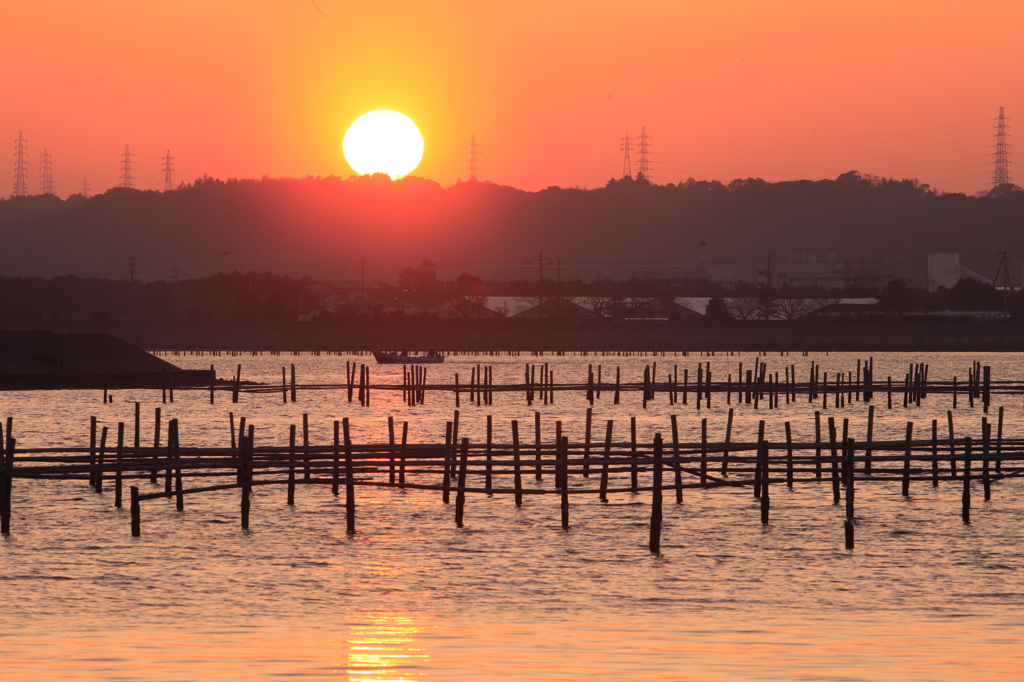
(381, 649)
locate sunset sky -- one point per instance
(778, 90)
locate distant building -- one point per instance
(802, 269)
(944, 270)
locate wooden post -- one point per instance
(677, 466)
(986, 394)
(391, 450)
(869, 439)
(725, 450)
(350, 487)
(834, 459)
(906, 460)
(6, 479)
(704, 451)
(603, 495)
(401, 462)
(789, 457)
(965, 509)
(156, 446)
(765, 475)
(586, 441)
(460, 491)
(952, 445)
(935, 453)
(99, 460)
(291, 465)
(293, 382)
(138, 427)
(335, 474)
(489, 466)
(238, 384)
(616, 401)
(536, 430)
(817, 445)
(563, 456)
(656, 498)
(517, 479)
(999, 442)
(634, 469)
(136, 513)
(986, 481)
(243, 473)
(848, 523)
(179, 488)
(92, 450)
(449, 446)
(120, 463)
(284, 385)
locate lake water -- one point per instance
(511, 595)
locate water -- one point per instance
(510, 596)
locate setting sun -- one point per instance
(383, 142)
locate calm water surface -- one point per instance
(510, 596)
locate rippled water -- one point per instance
(511, 595)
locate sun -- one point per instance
(383, 141)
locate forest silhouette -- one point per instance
(319, 227)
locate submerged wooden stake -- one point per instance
(136, 513)
(656, 498)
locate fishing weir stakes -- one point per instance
(562, 467)
(759, 385)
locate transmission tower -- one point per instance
(85, 187)
(46, 184)
(1001, 173)
(167, 168)
(474, 159)
(627, 169)
(20, 167)
(126, 168)
(643, 171)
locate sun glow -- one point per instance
(383, 141)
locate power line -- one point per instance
(168, 167)
(1001, 172)
(46, 184)
(20, 167)
(126, 168)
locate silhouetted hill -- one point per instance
(321, 226)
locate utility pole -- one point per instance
(362, 263)
(167, 168)
(644, 170)
(126, 168)
(85, 187)
(20, 167)
(1001, 172)
(1007, 286)
(474, 159)
(627, 169)
(46, 184)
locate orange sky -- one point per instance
(779, 90)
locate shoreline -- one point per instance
(552, 336)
